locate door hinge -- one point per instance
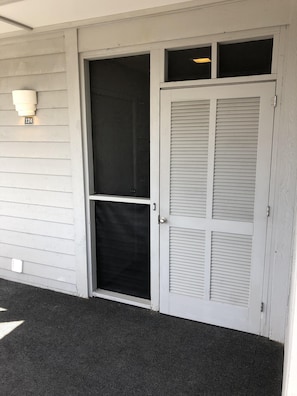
(275, 101)
(262, 307)
(268, 210)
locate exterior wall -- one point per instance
(41, 172)
(193, 23)
(36, 199)
(290, 363)
(283, 188)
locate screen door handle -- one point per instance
(162, 220)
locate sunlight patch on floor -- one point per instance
(3, 309)
(8, 327)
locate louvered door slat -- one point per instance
(235, 158)
(186, 262)
(189, 157)
(230, 268)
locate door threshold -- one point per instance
(122, 298)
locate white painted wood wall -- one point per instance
(36, 194)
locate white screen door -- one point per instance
(215, 170)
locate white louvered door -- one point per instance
(215, 169)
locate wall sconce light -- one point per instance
(25, 102)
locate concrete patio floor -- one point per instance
(71, 346)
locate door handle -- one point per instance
(162, 220)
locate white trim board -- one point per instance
(122, 298)
(74, 111)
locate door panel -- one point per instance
(215, 168)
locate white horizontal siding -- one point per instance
(35, 150)
(42, 182)
(37, 197)
(41, 64)
(38, 166)
(37, 227)
(52, 100)
(37, 256)
(40, 82)
(36, 202)
(38, 212)
(41, 270)
(40, 133)
(56, 245)
(42, 281)
(33, 47)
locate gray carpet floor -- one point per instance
(72, 346)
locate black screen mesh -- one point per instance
(120, 96)
(123, 250)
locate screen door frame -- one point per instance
(156, 59)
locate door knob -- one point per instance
(163, 220)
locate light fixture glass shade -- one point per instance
(202, 60)
(25, 102)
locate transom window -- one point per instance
(246, 58)
(189, 64)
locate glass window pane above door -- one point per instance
(188, 64)
(120, 125)
(245, 58)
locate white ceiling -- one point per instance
(41, 13)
